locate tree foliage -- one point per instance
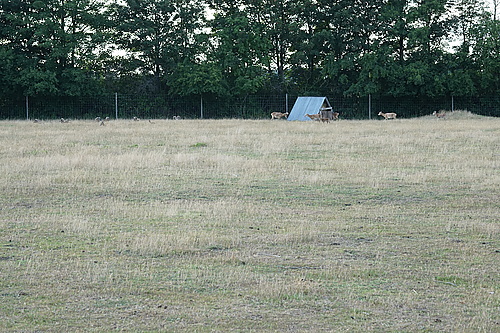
(239, 47)
(51, 46)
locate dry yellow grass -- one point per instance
(250, 225)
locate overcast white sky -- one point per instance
(490, 4)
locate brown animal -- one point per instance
(279, 115)
(390, 115)
(315, 116)
(326, 116)
(440, 114)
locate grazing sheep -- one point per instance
(176, 118)
(279, 115)
(64, 121)
(390, 115)
(98, 119)
(36, 121)
(106, 119)
(313, 116)
(440, 114)
(136, 119)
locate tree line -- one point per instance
(397, 48)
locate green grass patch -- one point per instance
(199, 145)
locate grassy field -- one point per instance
(250, 226)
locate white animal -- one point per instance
(136, 119)
(64, 121)
(176, 118)
(279, 115)
(390, 115)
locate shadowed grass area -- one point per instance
(248, 225)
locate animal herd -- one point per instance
(326, 117)
(335, 115)
(323, 118)
(275, 115)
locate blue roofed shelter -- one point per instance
(309, 105)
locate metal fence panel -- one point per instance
(216, 107)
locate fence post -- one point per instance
(27, 109)
(452, 104)
(201, 106)
(116, 105)
(369, 106)
(286, 102)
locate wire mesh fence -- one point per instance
(121, 106)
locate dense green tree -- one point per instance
(277, 21)
(407, 54)
(342, 47)
(430, 25)
(158, 34)
(54, 43)
(468, 15)
(466, 69)
(486, 56)
(394, 29)
(353, 27)
(309, 46)
(242, 48)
